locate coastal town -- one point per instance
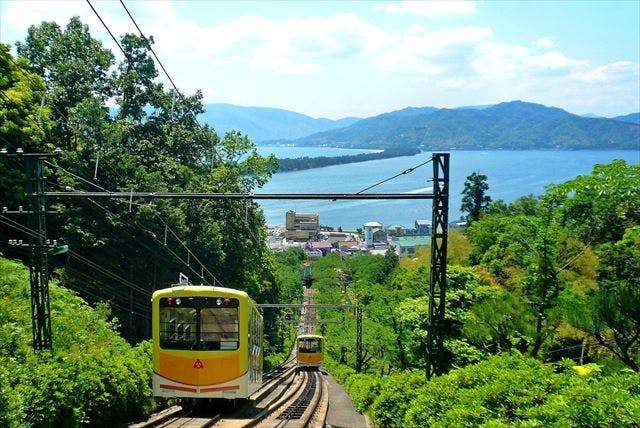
(303, 230)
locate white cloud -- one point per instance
(544, 43)
(294, 45)
(501, 61)
(431, 8)
(609, 73)
(432, 52)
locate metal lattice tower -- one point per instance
(38, 269)
(435, 363)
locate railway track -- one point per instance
(178, 417)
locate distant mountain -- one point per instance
(368, 133)
(510, 125)
(263, 124)
(629, 118)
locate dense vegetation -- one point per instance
(513, 125)
(54, 94)
(121, 250)
(92, 377)
(535, 288)
(298, 164)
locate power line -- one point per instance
(151, 49)
(31, 79)
(153, 235)
(158, 60)
(107, 28)
(90, 263)
(6, 97)
(406, 171)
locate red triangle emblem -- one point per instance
(198, 364)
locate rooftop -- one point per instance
(413, 241)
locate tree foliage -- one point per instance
(123, 250)
(92, 377)
(475, 201)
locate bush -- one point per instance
(363, 390)
(341, 373)
(11, 409)
(396, 394)
(91, 377)
(590, 401)
(516, 390)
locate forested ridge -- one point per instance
(298, 164)
(542, 325)
(514, 125)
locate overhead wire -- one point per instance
(406, 171)
(30, 232)
(14, 224)
(15, 103)
(189, 252)
(91, 279)
(151, 49)
(158, 60)
(107, 28)
(153, 235)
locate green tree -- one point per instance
(521, 251)
(475, 201)
(611, 313)
(24, 124)
(617, 301)
(600, 206)
(154, 143)
(499, 321)
(74, 66)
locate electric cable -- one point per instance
(159, 62)
(406, 171)
(107, 28)
(153, 235)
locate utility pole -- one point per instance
(38, 269)
(38, 246)
(358, 338)
(434, 357)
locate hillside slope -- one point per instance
(510, 125)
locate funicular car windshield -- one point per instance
(309, 346)
(206, 323)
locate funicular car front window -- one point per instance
(206, 323)
(219, 328)
(309, 346)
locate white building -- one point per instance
(374, 234)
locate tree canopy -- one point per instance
(475, 201)
(120, 251)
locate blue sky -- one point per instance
(358, 58)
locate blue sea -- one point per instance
(511, 174)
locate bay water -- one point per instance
(510, 175)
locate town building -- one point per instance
(301, 227)
(374, 235)
(423, 227)
(407, 245)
